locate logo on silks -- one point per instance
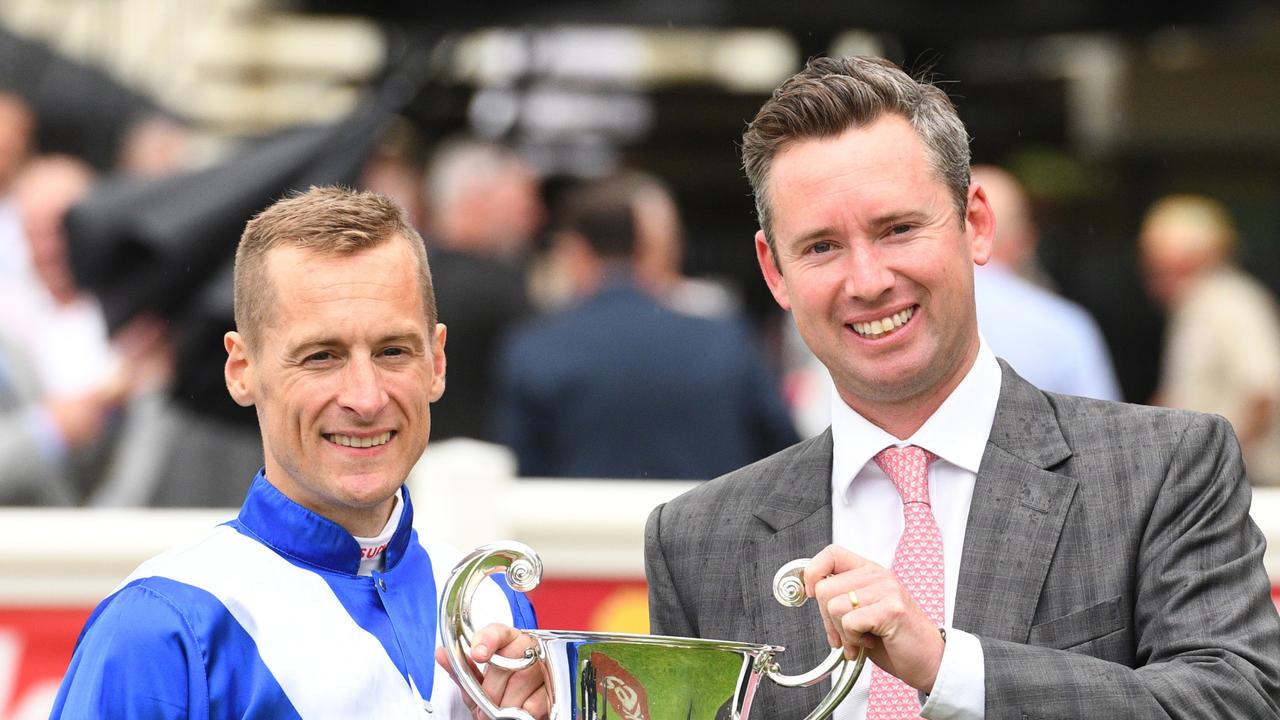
(618, 688)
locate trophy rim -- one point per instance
(660, 640)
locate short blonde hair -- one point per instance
(1214, 233)
(326, 221)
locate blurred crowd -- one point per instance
(574, 337)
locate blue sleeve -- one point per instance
(137, 659)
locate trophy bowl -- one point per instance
(623, 676)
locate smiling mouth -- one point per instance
(884, 326)
(359, 442)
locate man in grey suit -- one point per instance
(1074, 558)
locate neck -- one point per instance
(370, 522)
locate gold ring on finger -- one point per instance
(853, 600)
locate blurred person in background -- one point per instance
(394, 169)
(483, 206)
(63, 382)
(1016, 248)
(154, 146)
(660, 251)
(38, 434)
(1222, 343)
(1051, 341)
(62, 324)
(17, 130)
(619, 386)
(319, 599)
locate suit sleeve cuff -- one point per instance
(959, 692)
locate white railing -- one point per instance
(465, 493)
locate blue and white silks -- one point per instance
(265, 617)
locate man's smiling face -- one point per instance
(874, 263)
(342, 378)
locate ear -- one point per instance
(769, 268)
(980, 223)
(438, 363)
(238, 371)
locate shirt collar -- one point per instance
(957, 431)
(296, 532)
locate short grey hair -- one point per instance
(461, 165)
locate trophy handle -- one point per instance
(788, 590)
(524, 570)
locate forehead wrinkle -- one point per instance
(328, 338)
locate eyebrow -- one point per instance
(888, 219)
(810, 236)
(413, 339)
(898, 217)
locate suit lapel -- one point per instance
(1016, 515)
(798, 516)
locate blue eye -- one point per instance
(321, 356)
(820, 247)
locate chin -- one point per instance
(370, 491)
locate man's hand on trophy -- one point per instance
(507, 689)
(864, 605)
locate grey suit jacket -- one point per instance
(1110, 568)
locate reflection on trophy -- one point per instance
(620, 676)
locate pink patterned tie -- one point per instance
(918, 565)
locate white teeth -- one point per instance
(355, 442)
(876, 328)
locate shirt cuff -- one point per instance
(959, 691)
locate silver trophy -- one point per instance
(594, 676)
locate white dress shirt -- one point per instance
(866, 517)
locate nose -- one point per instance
(867, 277)
(362, 389)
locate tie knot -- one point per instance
(908, 468)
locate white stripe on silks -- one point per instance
(305, 637)
(489, 605)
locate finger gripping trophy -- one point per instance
(620, 676)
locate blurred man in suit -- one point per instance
(619, 385)
(997, 550)
(1049, 340)
(484, 205)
